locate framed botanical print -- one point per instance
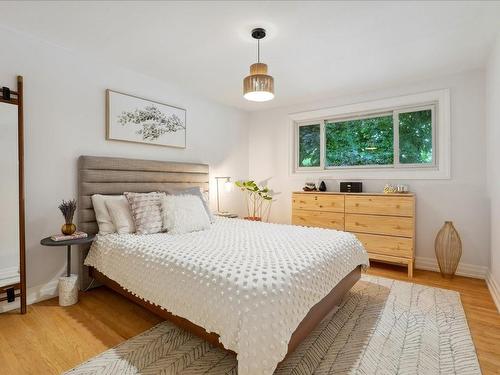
(133, 119)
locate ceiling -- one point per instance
(314, 49)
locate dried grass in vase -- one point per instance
(68, 209)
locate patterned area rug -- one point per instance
(383, 327)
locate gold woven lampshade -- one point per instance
(258, 86)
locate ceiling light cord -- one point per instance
(258, 50)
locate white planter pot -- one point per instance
(68, 290)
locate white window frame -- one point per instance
(440, 168)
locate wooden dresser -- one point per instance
(384, 223)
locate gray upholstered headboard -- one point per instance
(113, 176)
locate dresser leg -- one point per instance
(410, 269)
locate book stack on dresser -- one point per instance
(384, 223)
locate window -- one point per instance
(398, 138)
(365, 141)
(309, 146)
(415, 137)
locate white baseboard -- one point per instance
(464, 269)
(494, 289)
(34, 294)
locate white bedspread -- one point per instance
(250, 282)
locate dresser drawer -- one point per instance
(379, 205)
(321, 202)
(386, 245)
(388, 225)
(322, 219)
(395, 260)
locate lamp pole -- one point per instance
(218, 208)
(218, 195)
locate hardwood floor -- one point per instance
(51, 339)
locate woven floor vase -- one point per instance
(448, 247)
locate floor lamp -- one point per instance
(227, 187)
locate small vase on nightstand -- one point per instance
(68, 209)
(68, 229)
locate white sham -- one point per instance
(119, 210)
(183, 214)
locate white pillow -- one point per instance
(102, 216)
(119, 210)
(183, 214)
(199, 193)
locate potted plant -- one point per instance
(259, 200)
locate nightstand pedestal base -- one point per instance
(68, 290)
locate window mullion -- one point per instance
(434, 135)
(296, 147)
(395, 130)
(322, 144)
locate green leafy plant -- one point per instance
(259, 199)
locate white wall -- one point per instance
(493, 163)
(65, 118)
(461, 199)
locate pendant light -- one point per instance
(258, 86)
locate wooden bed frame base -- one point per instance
(317, 313)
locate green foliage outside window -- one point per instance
(369, 141)
(360, 142)
(415, 137)
(309, 146)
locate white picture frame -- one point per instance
(133, 119)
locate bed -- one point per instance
(256, 289)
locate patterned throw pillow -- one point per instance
(146, 211)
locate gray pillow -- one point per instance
(194, 191)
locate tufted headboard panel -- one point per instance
(114, 176)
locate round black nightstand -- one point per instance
(47, 241)
(68, 285)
